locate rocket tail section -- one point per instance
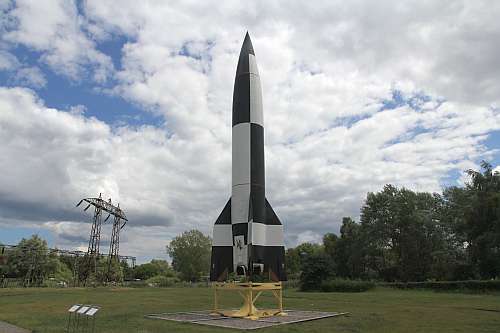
(269, 249)
(266, 246)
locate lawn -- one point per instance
(381, 310)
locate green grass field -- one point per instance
(381, 310)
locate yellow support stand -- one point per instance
(250, 292)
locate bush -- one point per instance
(135, 284)
(471, 285)
(188, 284)
(348, 286)
(316, 268)
(162, 281)
(291, 284)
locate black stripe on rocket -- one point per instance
(257, 175)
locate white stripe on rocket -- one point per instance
(267, 235)
(223, 235)
(239, 203)
(241, 154)
(252, 64)
(256, 114)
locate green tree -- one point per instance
(128, 271)
(30, 261)
(113, 271)
(294, 258)
(153, 268)
(482, 220)
(348, 250)
(316, 268)
(190, 253)
(330, 244)
(59, 270)
(4, 268)
(401, 230)
(292, 263)
(163, 267)
(451, 261)
(308, 249)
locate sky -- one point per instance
(134, 101)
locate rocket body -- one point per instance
(248, 236)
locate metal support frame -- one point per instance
(250, 292)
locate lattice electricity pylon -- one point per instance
(114, 246)
(100, 205)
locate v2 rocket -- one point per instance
(248, 235)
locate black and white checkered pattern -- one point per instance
(247, 231)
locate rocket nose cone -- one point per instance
(247, 47)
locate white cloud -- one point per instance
(173, 184)
(50, 159)
(446, 49)
(309, 237)
(8, 61)
(54, 28)
(19, 73)
(30, 76)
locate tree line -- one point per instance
(32, 263)
(405, 235)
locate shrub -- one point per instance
(291, 284)
(162, 281)
(135, 284)
(348, 286)
(315, 269)
(471, 285)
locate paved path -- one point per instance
(8, 328)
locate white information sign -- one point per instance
(74, 308)
(92, 311)
(83, 309)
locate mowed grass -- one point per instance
(381, 310)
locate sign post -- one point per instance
(72, 315)
(79, 316)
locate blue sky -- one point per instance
(134, 102)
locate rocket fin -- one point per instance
(222, 246)
(225, 215)
(271, 217)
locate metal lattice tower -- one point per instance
(95, 238)
(119, 222)
(93, 254)
(114, 246)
